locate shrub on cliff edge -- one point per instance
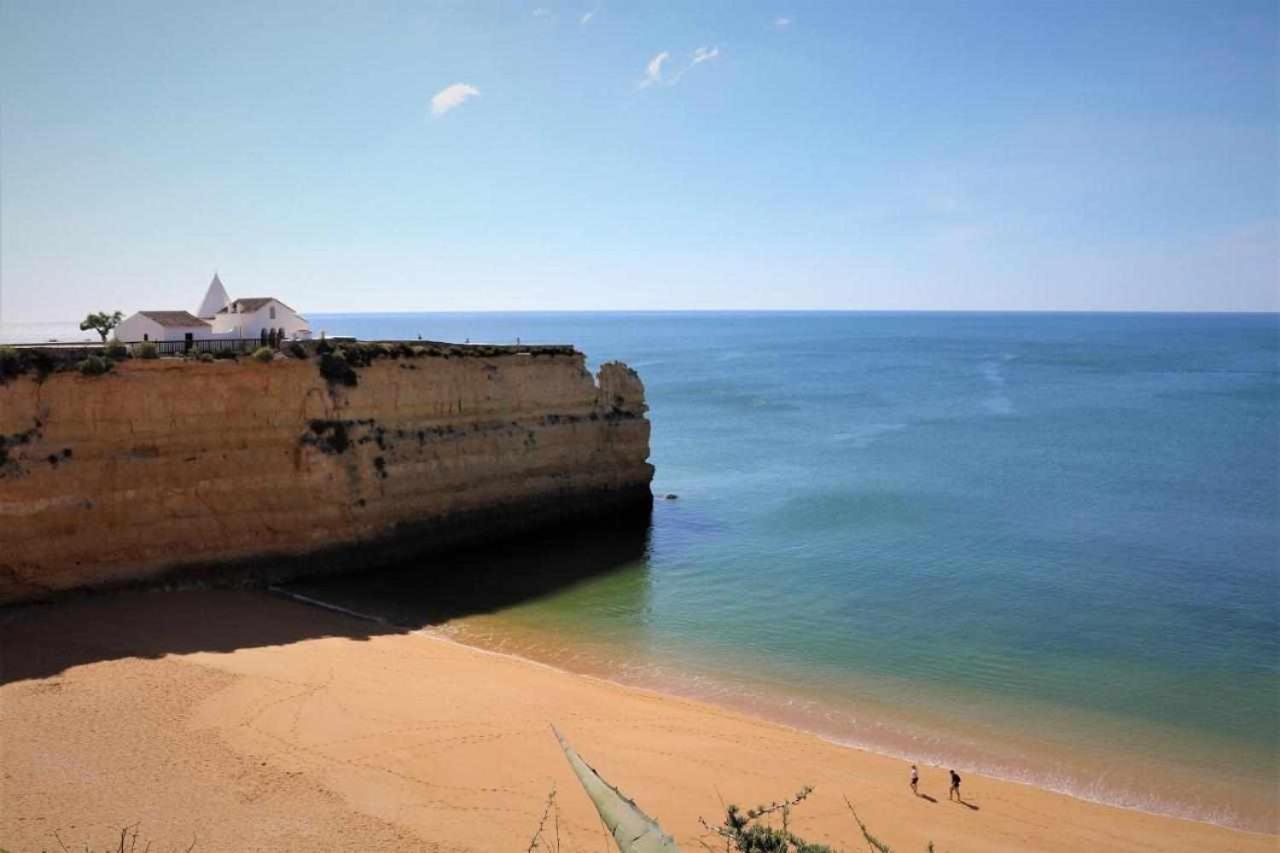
(148, 350)
(94, 366)
(263, 354)
(116, 351)
(336, 371)
(10, 363)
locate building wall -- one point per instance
(251, 325)
(139, 328)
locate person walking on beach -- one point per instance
(915, 780)
(955, 787)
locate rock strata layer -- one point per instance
(225, 470)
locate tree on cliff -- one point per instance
(102, 323)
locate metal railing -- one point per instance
(207, 345)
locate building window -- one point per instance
(145, 336)
(273, 312)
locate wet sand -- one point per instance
(241, 721)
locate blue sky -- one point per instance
(845, 155)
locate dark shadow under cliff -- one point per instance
(483, 580)
(42, 640)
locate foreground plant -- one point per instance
(633, 830)
(128, 843)
(743, 832)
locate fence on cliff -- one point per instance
(207, 345)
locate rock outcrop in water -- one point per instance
(228, 470)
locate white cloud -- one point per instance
(451, 96)
(653, 71)
(541, 12)
(655, 75)
(782, 23)
(703, 54)
(587, 17)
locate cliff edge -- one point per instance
(229, 469)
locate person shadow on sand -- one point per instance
(915, 781)
(954, 793)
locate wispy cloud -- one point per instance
(452, 96)
(781, 22)
(541, 12)
(656, 73)
(587, 16)
(653, 71)
(704, 54)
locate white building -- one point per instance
(249, 318)
(163, 326)
(220, 318)
(215, 299)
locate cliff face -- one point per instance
(171, 466)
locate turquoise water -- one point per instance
(1041, 546)
(1045, 546)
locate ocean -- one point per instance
(1040, 546)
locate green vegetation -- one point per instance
(10, 363)
(15, 362)
(337, 363)
(874, 843)
(329, 436)
(14, 440)
(336, 370)
(94, 366)
(127, 843)
(745, 833)
(102, 323)
(264, 355)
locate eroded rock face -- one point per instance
(230, 468)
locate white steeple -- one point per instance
(215, 299)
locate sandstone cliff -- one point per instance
(226, 469)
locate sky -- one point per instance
(609, 155)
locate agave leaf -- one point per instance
(633, 830)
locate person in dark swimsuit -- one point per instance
(955, 787)
(915, 780)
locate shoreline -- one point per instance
(250, 720)
(1160, 806)
(870, 747)
(893, 724)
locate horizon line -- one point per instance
(637, 311)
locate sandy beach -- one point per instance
(241, 721)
